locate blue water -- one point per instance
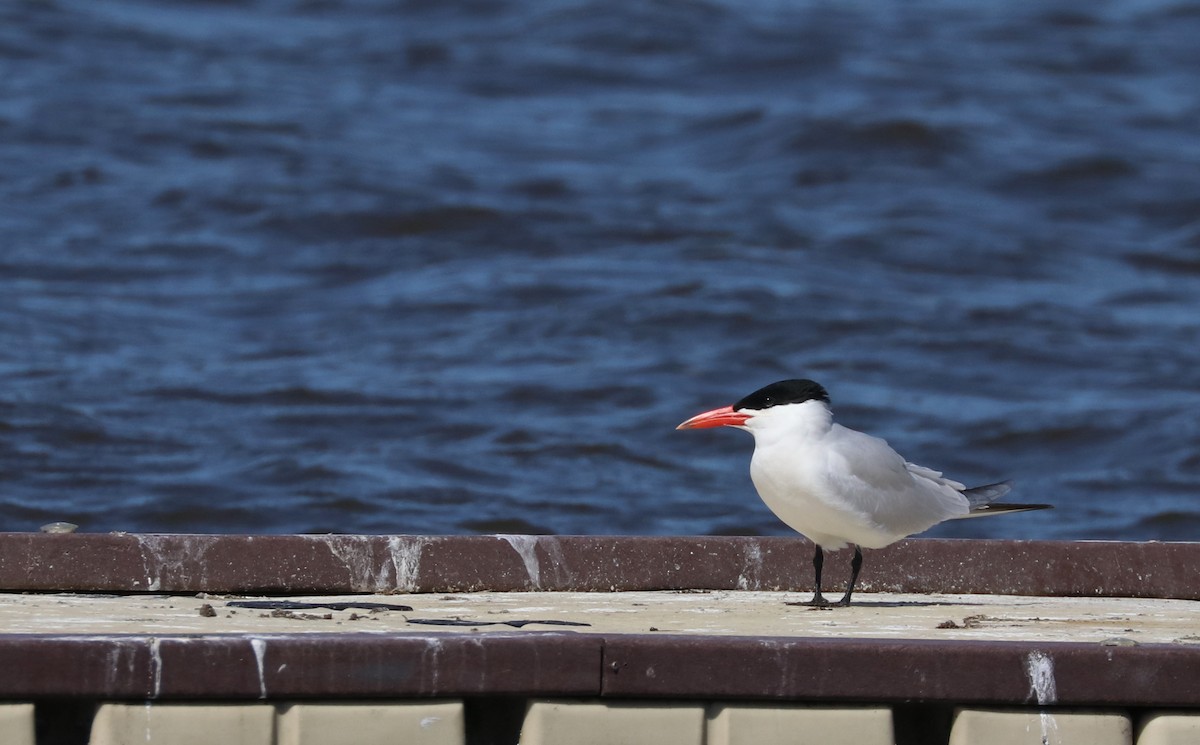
(340, 265)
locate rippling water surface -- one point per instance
(366, 266)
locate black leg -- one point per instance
(855, 566)
(818, 563)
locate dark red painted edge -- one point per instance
(888, 670)
(298, 666)
(554, 664)
(280, 564)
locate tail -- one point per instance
(981, 499)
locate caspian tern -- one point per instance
(837, 486)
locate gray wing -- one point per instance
(903, 496)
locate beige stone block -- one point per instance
(583, 722)
(16, 724)
(183, 724)
(1044, 726)
(376, 723)
(1169, 728)
(777, 724)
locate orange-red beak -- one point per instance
(722, 417)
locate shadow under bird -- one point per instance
(837, 486)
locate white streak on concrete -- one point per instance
(751, 575)
(431, 657)
(260, 652)
(526, 548)
(785, 660)
(156, 668)
(1040, 668)
(405, 551)
(124, 654)
(556, 562)
(172, 555)
(427, 722)
(156, 665)
(354, 551)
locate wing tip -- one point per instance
(979, 496)
(998, 507)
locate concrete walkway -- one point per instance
(1112, 621)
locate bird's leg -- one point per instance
(855, 566)
(818, 562)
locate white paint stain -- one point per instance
(427, 722)
(1040, 669)
(526, 548)
(260, 652)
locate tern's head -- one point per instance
(785, 399)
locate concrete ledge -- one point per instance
(1111, 627)
(626, 666)
(236, 667)
(328, 564)
(889, 670)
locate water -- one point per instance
(330, 265)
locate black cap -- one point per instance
(783, 392)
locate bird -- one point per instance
(840, 487)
